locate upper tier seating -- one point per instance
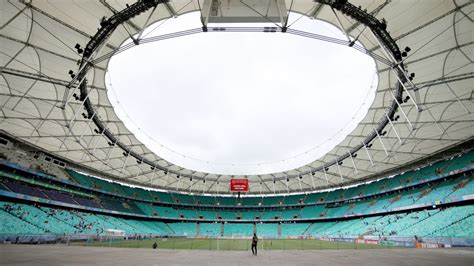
(405, 179)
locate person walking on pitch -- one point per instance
(254, 244)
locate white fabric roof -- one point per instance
(37, 42)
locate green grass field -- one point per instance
(231, 244)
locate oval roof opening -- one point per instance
(241, 103)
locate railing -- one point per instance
(229, 243)
(193, 205)
(242, 243)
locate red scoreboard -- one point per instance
(239, 185)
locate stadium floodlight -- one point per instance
(401, 110)
(78, 48)
(166, 182)
(368, 154)
(98, 140)
(287, 186)
(74, 116)
(397, 65)
(274, 185)
(67, 98)
(325, 175)
(73, 120)
(339, 169)
(125, 161)
(96, 131)
(153, 174)
(381, 142)
(85, 128)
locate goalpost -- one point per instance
(112, 234)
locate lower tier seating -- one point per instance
(33, 219)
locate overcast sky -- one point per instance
(241, 103)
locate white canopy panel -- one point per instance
(38, 38)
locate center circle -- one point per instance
(241, 103)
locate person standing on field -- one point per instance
(254, 244)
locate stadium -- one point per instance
(386, 179)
